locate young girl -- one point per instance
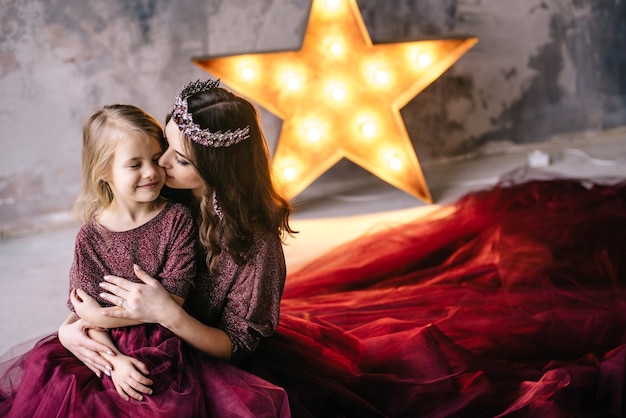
(127, 224)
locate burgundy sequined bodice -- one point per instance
(164, 247)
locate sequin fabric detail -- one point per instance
(164, 247)
(244, 301)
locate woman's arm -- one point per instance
(90, 310)
(212, 341)
(152, 303)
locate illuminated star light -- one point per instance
(340, 96)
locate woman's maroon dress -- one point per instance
(511, 302)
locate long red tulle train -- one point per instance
(511, 302)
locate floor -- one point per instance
(33, 268)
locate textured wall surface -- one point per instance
(542, 69)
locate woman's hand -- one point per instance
(149, 302)
(90, 310)
(73, 335)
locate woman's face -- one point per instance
(181, 173)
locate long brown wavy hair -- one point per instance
(239, 175)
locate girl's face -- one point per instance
(136, 176)
(181, 174)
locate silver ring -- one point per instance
(122, 304)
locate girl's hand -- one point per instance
(128, 379)
(147, 302)
(73, 335)
(84, 305)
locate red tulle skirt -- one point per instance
(49, 381)
(511, 302)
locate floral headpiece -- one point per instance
(192, 130)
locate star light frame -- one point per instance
(340, 96)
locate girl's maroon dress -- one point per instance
(48, 381)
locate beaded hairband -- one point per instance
(192, 130)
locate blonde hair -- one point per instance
(101, 132)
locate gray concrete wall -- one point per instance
(543, 69)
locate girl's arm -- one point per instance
(73, 335)
(94, 347)
(152, 303)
